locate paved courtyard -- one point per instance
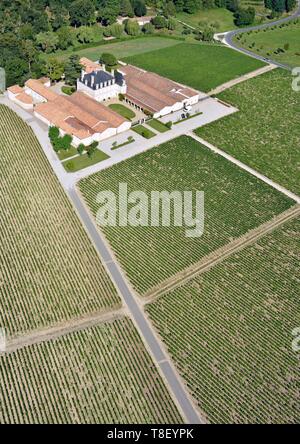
(211, 109)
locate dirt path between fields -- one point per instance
(241, 79)
(51, 333)
(219, 255)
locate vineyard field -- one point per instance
(235, 202)
(229, 331)
(264, 134)
(49, 270)
(99, 375)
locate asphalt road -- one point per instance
(137, 313)
(228, 38)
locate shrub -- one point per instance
(108, 59)
(69, 90)
(148, 113)
(159, 22)
(148, 28)
(80, 149)
(53, 133)
(65, 142)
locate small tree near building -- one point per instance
(108, 59)
(53, 133)
(140, 8)
(80, 149)
(132, 27)
(159, 22)
(72, 70)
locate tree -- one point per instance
(72, 70)
(85, 34)
(126, 9)
(65, 37)
(16, 70)
(116, 30)
(48, 41)
(190, 6)
(108, 59)
(59, 16)
(232, 5)
(268, 4)
(65, 142)
(54, 68)
(179, 5)
(29, 52)
(159, 22)
(208, 4)
(278, 5)
(169, 9)
(171, 24)
(148, 28)
(290, 5)
(26, 32)
(53, 133)
(91, 149)
(140, 8)
(208, 34)
(132, 27)
(244, 17)
(110, 11)
(80, 149)
(82, 12)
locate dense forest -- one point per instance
(31, 27)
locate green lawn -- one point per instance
(202, 67)
(220, 15)
(235, 202)
(122, 110)
(80, 162)
(265, 133)
(122, 49)
(229, 331)
(268, 42)
(143, 131)
(63, 155)
(158, 126)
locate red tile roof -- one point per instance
(90, 66)
(16, 89)
(40, 89)
(79, 115)
(25, 98)
(152, 91)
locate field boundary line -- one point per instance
(62, 329)
(251, 75)
(219, 255)
(187, 406)
(245, 167)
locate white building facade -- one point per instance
(101, 85)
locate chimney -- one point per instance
(82, 75)
(92, 80)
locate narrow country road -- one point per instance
(228, 37)
(146, 330)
